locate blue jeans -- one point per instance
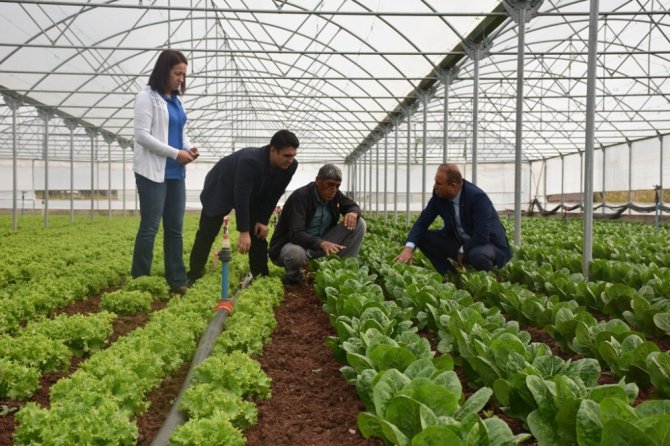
(166, 200)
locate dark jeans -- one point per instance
(165, 200)
(208, 229)
(441, 248)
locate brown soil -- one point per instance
(539, 335)
(311, 402)
(160, 399)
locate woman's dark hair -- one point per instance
(167, 59)
(283, 139)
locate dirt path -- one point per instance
(311, 403)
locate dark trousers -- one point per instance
(208, 229)
(442, 248)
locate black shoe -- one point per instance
(190, 282)
(180, 290)
(291, 279)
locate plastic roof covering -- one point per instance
(339, 73)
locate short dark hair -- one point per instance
(158, 81)
(283, 139)
(329, 172)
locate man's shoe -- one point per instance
(291, 279)
(180, 290)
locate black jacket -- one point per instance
(298, 211)
(245, 181)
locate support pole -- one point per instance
(603, 181)
(446, 77)
(366, 177)
(518, 10)
(46, 114)
(660, 174)
(354, 172)
(13, 105)
(396, 123)
(630, 176)
(124, 147)
(519, 127)
(71, 124)
(92, 134)
(370, 175)
(424, 97)
(377, 178)
(109, 138)
(476, 51)
(563, 183)
(386, 168)
(408, 115)
(590, 129)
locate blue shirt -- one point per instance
(174, 170)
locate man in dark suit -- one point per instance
(472, 233)
(251, 181)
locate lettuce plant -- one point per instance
(126, 302)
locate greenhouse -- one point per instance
(558, 110)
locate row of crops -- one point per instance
(534, 352)
(101, 401)
(612, 324)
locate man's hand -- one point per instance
(260, 231)
(349, 221)
(405, 255)
(244, 242)
(331, 248)
(195, 153)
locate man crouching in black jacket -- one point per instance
(308, 226)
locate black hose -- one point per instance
(176, 417)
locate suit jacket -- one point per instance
(479, 219)
(245, 181)
(298, 212)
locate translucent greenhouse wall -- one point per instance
(496, 179)
(631, 173)
(627, 173)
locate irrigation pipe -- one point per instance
(176, 417)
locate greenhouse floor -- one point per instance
(311, 403)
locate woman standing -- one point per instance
(162, 151)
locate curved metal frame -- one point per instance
(309, 90)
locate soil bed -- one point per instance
(311, 403)
(122, 325)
